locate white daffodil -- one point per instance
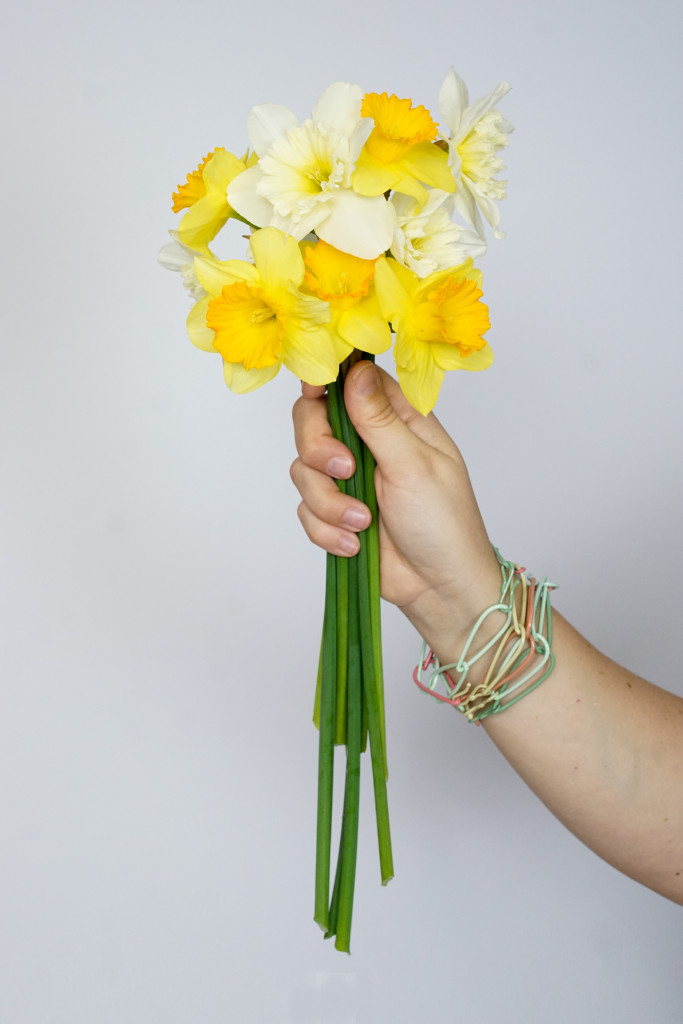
(302, 181)
(475, 134)
(176, 256)
(426, 240)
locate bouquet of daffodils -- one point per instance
(363, 223)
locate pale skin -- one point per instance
(601, 747)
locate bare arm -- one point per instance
(601, 747)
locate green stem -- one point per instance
(328, 702)
(370, 642)
(349, 848)
(342, 569)
(375, 596)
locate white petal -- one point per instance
(359, 137)
(174, 255)
(360, 225)
(338, 109)
(465, 204)
(481, 107)
(453, 100)
(244, 198)
(267, 122)
(488, 208)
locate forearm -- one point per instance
(603, 749)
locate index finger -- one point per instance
(315, 443)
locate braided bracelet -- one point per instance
(522, 657)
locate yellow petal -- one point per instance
(422, 381)
(364, 327)
(214, 274)
(449, 357)
(203, 222)
(277, 258)
(200, 335)
(242, 381)
(392, 283)
(373, 178)
(429, 163)
(311, 354)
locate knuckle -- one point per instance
(381, 415)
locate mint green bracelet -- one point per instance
(523, 658)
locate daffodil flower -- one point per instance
(426, 239)
(204, 197)
(176, 256)
(346, 283)
(399, 153)
(257, 317)
(302, 181)
(439, 322)
(475, 134)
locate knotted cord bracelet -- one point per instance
(522, 656)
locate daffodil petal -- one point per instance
(338, 109)
(364, 327)
(453, 99)
(244, 198)
(466, 205)
(373, 178)
(200, 335)
(203, 221)
(360, 225)
(242, 381)
(214, 274)
(393, 285)
(448, 357)
(278, 258)
(173, 255)
(310, 354)
(267, 122)
(429, 284)
(480, 107)
(421, 382)
(429, 163)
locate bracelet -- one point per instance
(522, 655)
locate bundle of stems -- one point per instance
(349, 702)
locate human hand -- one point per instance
(436, 562)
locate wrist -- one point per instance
(506, 654)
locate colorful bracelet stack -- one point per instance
(522, 657)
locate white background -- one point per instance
(161, 607)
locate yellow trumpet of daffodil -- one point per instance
(258, 319)
(346, 283)
(204, 195)
(439, 322)
(399, 154)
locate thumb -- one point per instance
(375, 418)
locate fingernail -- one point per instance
(365, 380)
(356, 518)
(339, 467)
(348, 544)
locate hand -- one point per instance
(436, 562)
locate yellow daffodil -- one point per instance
(257, 317)
(204, 197)
(302, 181)
(346, 283)
(426, 239)
(475, 134)
(399, 153)
(439, 322)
